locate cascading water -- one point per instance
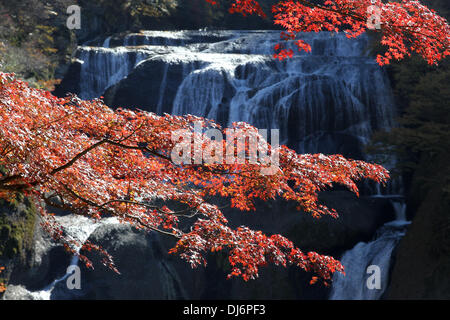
(353, 286)
(107, 64)
(330, 100)
(99, 74)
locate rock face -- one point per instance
(105, 17)
(71, 81)
(17, 224)
(422, 262)
(46, 262)
(148, 272)
(143, 91)
(421, 269)
(102, 17)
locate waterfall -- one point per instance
(353, 286)
(330, 100)
(103, 67)
(107, 64)
(318, 100)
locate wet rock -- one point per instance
(148, 272)
(71, 81)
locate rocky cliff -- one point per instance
(148, 272)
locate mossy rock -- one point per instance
(17, 221)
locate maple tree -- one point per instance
(406, 26)
(84, 157)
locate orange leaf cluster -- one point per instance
(2, 285)
(86, 158)
(406, 26)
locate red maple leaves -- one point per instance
(406, 26)
(2, 285)
(84, 157)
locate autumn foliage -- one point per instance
(406, 26)
(83, 157)
(86, 158)
(2, 285)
